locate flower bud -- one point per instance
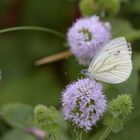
(122, 105)
(89, 7)
(40, 114)
(112, 7)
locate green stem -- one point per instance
(34, 28)
(105, 134)
(79, 136)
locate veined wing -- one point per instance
(113, 63)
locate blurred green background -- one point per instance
(24, 82)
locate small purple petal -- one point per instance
(83, 103)
(87, 36)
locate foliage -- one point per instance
(24, 85)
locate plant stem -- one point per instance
(79, 136)
(34, 28)
(105, 134)
(53, 58)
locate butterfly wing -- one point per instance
(113, 63)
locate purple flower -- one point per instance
(83, 103)
(87, 36)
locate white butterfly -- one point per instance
(113, 63)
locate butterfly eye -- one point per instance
(84, 71)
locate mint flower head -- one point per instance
(87, 36)
(83, 103)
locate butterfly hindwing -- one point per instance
(113, 63)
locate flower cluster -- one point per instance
(87, 36)
(83, 103)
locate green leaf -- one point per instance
(134, 6)
(16, 134)
(123, 27)
(39, 87)
(130, 131)
(17, 114)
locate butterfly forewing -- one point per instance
(113, 63)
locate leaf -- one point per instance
(123, 27)
(130, 131)
(41, 86)
(134, 6)
(17, 113)
(16, 134)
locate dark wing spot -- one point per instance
(118, 51)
